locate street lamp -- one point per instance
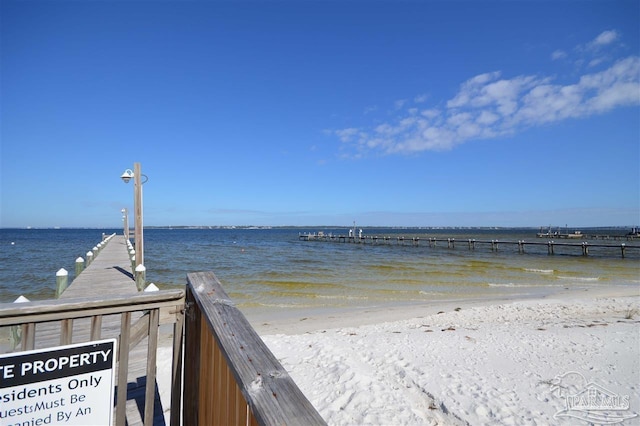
(137, 175)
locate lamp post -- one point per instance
(137, 175)
(125, 220)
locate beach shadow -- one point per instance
(124, 271)
(136, 392)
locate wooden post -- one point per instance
(132, 253)
(79, 266)
(622, 247)
(550, 247)
(62, 280)
(89, 257)
(140, 277)
(16, 330)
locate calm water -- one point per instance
(271, 268)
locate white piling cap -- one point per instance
(62, 272)
(132, 251)
(152, 287)
(95, 249)
(89, 254)
(21, 299)
(79, 260)
(140, 268)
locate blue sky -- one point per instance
(433, 113)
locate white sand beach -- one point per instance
(469, 362)
(500, 362)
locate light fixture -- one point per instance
(126, 176)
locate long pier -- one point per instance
(108, 274)
(104, 302)
(230, 376)
(471, 243)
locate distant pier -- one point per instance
(470, 243)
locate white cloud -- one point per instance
(605, 38)
(348, 135)
(430, 113)
(421, 99)
(400, 103)
(489, 105)
(487, 118)
(558, 54)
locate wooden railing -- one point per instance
(131, 319)
(231, 377)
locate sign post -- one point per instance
(65, 385)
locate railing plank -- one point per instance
(123, 362)
(28, 336)
(192, 349)
(176, 370)
(66, 331)
(96, 327)
(152, 347)
(50, 310)
(267, 388)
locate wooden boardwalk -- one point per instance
(109, 274)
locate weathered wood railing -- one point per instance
(231, 377)
(50, 323)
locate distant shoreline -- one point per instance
(304, 227)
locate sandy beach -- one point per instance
(514, 362)
(572, 358)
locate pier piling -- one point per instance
(62, 281)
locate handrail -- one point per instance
(151, 309)
(231, 377)
(57, 309)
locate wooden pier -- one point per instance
(108, 274)
(103, 302)
(230, 377)
(471, 243)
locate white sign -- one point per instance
(65, 385)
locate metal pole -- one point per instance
(137, 203)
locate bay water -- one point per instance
(273, 269)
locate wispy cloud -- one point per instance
(490, 105)
(605, 38)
